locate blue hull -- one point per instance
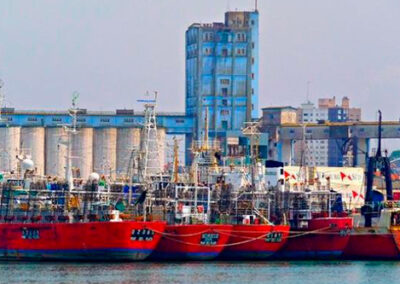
(79, 255)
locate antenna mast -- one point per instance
(1, 99)
(150, 163)
(71, 131)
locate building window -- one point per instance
(224, 124)
(241, 37)
(253, 45)
(224, 92)
(224, 81)
(252, 60)
(224, 112)
(252, 91)
(56, 119)
(179, 120)
(252, 76)
(225, 102)
(128, 120)
(252, 22)
(104, 120)
(224, 52)
(32, 119)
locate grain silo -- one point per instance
(32, 143)
(82, 152)
(56, 151)
(105, 151)
(10, 148)
(128, 140)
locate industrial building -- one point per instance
(324, 152)
(103, 143)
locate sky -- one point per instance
(112, 52)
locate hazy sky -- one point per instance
(113, 51)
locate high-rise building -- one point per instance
(222, 74)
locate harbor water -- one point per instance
(202, 272)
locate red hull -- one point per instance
(368, 243)
(80, 241)
(325, 238)
(255, 241)
(396, 236)
(196, 242)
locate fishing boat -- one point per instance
(255, 241)
(41, 220)
(192, 242)
(375, 235)
(375, 242)
(99, 241)
(190, 233)
(319, 227)
(63, 224)
(321, 238)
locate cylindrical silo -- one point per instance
(82, 152)
(10, 148)
(56, 151)
(128, 139)
(32, 143)
(161, 133)
(105, 151)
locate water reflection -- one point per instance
(202, 272)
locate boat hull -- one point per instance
(326, 238)
(100, 241)
(396, 235)
(256, 242)
(370, 243)
(192, 242)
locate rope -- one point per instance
(249, 239)
(181, 235)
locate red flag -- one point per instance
(342, 175)
(286, 174)
(355, 194)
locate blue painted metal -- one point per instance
(174, 123)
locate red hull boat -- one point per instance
(195, 242)
(324, 238)
(127, 240)
(367, 243)
(255, 241)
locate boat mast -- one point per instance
(150, 165)
(71, 131)
(176, 161)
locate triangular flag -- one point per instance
(286, 174)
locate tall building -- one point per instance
(222, 75)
